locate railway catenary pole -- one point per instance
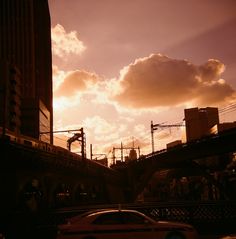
(122, 154)
(76, 137)
(156, 126)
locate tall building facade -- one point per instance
(25, 42)
(10, 97)
(199, 121)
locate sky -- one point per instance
(118, 65)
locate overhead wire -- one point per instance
(228, 109)
(62, 139)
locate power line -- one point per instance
(64, 140)
(228, 108)
(156, 126)
(60, 131)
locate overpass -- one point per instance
(35, 174)
(182, 160)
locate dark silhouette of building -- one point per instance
(25, 43)
(10, 97)
(199, 122)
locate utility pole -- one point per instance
(156, 126)
(92, 154)
(121, 148)
(76, 137)
(81, 138)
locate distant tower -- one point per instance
(25, 42)
(132, 154)
(199, 122)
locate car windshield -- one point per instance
(82, 215)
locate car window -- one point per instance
(108, 219)
(133, 218)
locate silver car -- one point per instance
(122, 224)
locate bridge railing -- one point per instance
(210, 216)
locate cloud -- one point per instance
(212, 89)
(158, 81)
(211, 70)
(151, 86)
(76, 81)
(65, 43)
(58, 77)
(104, 130)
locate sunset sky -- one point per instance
(117, 65)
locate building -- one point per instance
(199, 121)
(25, 42)
(10, 97)
(223, 127)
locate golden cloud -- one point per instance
(158, 80)
(64, 43)
(76, 81)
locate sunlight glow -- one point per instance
(64, 43)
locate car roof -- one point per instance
(84, 214)
(98, 212)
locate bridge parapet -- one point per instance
(51, 176)
(205, 157)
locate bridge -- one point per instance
(37, 179)
(34, 174)
(201, 157)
